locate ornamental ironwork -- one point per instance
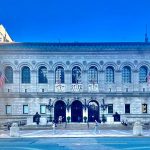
(50, 105)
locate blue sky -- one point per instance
(75, 20)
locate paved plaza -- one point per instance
(95, 143)
(73, 133)
(75, 139)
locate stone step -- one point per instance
(76, 126)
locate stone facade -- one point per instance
(68, 55)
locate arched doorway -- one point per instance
(76, 111)
(60, 110)
(93, 111)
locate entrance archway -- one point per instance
(76, 111)
(60, 110)
(93, 111)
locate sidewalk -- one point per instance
(73, 133)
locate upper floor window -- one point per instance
(76, 75)
(110, 108)
(109, 75)
(42, 109)
(127, 108)
(126, 74)
(92, 75)
(8, 109)
(25, 74)
(42, 75)
(144, 108)
(25, 109)
(8, 74)
(59, 75)
(143, 74)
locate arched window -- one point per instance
(76, 75)
(143, 74)
(8, 74)
(42, 74)
(110, 74)
(59, 75)
(25, 74)
(92, 75)
(126, 74)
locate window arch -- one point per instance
(92, 75)
(8, 74)
(25, 74)
(109, 74)
(126, 74)
(59, 75)
(76, 75)
(143, 74)
(42, 75)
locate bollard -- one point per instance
(137, 129)
(14, 130)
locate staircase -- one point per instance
(90, 126)
(77, 126)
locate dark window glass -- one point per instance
(144, 108)
(42, 73)
(92, 75)
(8, 74)
(110, 75)
(110, 108)
(126, 74)
(59, 75)
(143, 74)
(127, 108)
(25, 74)
(76, 75)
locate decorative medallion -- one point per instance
(67, 62)
(101, 62)
(16, 62)
(118, 62)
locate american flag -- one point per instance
(2, 80)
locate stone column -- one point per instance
(34, 81)
(118, 80)
(101, 81)
(68, 80)
(135, 80)
(84, 81)
(51, 80)
(17, 81)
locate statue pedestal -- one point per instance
(14, 130)
(137, 129)
(110, 120)
(29, 120)
(43, 121)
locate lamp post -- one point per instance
(68, 105)
(49, 107)
(104, 107)
(85, 105)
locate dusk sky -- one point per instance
(76, 20)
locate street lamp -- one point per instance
(49, 106)
(85, 105)
(68, 105)
(103, 105)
